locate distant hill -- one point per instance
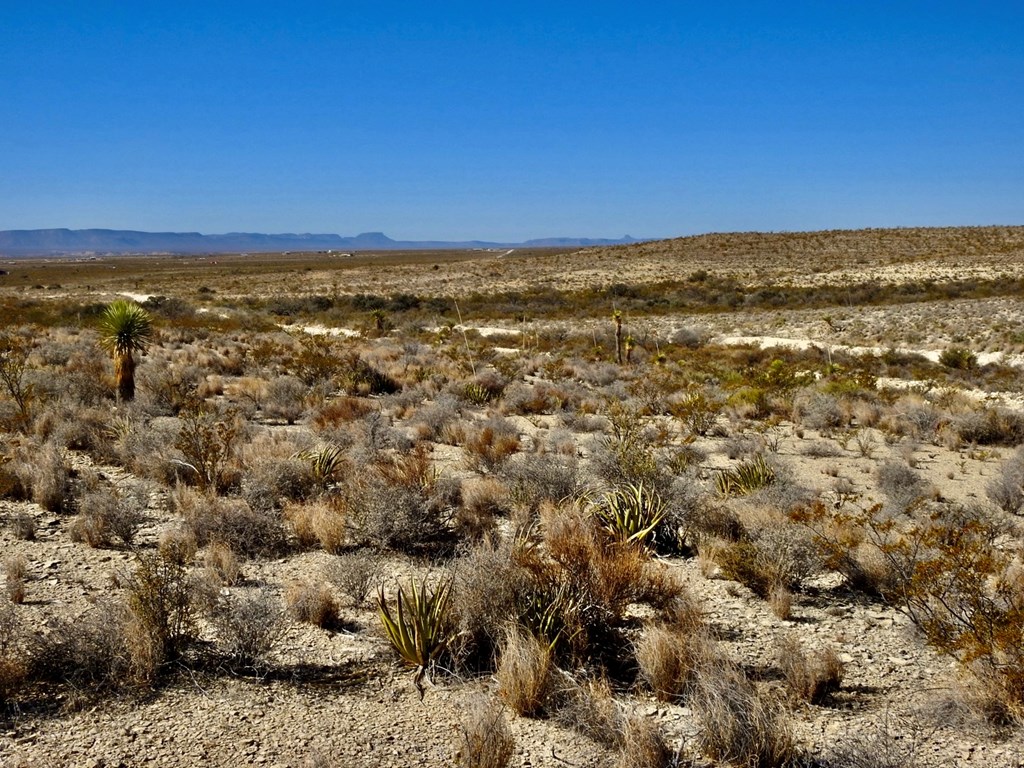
(58, 242)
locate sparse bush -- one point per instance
(810, 677)
(991, 426)
(958, 358)
(229, 521)
(106, 513)
(483, 501)
(524, 672)
(534, 478)
(23, 526)
(209, 442)
(901, 485)
(44, 474)
(1006, 489)
(589, 708)
(248, 628)
(818, 410)
(162, 601)
(485, 740)
(285, 399)
(15, 571)
(355, 574)
(312, 603)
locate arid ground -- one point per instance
(738, 499)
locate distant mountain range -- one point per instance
(66, 242)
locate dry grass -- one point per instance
(312, 603)
(524, 673)
(485, 740)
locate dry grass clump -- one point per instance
(312, 603)
(484, 500)
(43, 475)
(810, 677)
(232, 522)
(524, 672)
(485, 740)
(355, 574)
(642, 745)
(320, 522)
(668, 658)
(488, 446)
(222, 564)
(588, 707)
(15, 573)
(1006, 489)
(13, 659)
(23, 526)
(738, 724)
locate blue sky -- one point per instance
(463, 120)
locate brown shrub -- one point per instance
(312, 603)
(15, 571)
(355, 574)
(738, 724)
(489, 446)
(810, 677)
(524, 672)
(485, 740)
(643, 745)
(668, 658)
(222, 564)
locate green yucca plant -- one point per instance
(746, 477)
(630, 512)
(421, 627)
(125, 328)
(326, 462)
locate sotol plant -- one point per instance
(125, 328)
(420, 628)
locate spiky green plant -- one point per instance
(421, 627)
(125, 328)
(746, 477)
(326, 463)
(630, 512)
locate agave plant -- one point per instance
(125, 328)
(746, 477)
(421, 627)
(630, 512)
(326, 463)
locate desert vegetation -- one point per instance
(553, 508)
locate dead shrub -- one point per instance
(643, 745)
(738, 724)
(485, 740)
(312, 603)
(178, 543)
(285, 399)
(483, 501)
(15, 573)
(93, 652)
(355, 575)
(810, 677)
(221, 564)
(668, 658)
(106, 514)
(248, 628)
(163, 604)
(23, 526)
(1006, 489)
(524, 672)
(230, 521)
(781, 602)
(490, 445)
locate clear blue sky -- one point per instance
(512, 120)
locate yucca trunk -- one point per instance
(124, 374)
